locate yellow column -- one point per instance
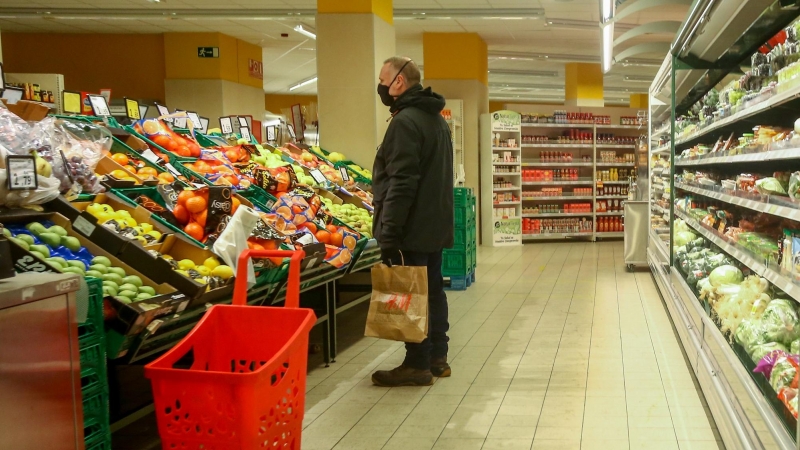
(456, 66)
(640, 101)
(222, 85)
(354, 37)
(583, 85)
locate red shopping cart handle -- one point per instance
(292, 285)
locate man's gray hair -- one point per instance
(410, 72)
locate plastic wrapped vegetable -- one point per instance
(702, 284)
(783, 372)
(726, 274)
(770, 186)
(780, 322)
(748, 334)
(761, 350)
(795, 347)
(684, 237)
(794, 186)
(712, 262)
(765, 364)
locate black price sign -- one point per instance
(99, 105)
(345, 175)
(318, 176)
(245, 132)
(271, 134)
(21, 172)
(226, 125)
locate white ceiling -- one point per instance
(289, 60)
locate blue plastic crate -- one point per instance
(461, 283)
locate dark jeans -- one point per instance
(418, 356)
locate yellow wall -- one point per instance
(246, 52)
(182, 62)
(455, 56)
(583, 81)
(639, 101)
(381, 8)
(90, 62)
(276, 102)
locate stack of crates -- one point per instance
(459, 262)
(94, 382)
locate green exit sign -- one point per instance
(208, 52)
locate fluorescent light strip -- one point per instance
(303, 83)
(308, 33)
(524, 73)
(519, 56)
(606, 10)
(608, 46)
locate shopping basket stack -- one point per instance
(459, 262)
(238, 380)
(94, 382)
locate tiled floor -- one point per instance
(555, 347)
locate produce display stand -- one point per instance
(686, 169)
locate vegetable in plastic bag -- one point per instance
(783, 373)
(702, 284)
(684, 237)
(794, 186)
(761, 350)
(726, 274)
(795, 347)
(748, 334)
(770, 186)
(780, 322)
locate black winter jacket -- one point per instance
(412, 178)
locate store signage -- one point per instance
(204, 125)
(243, 122)
(99, 105)
(208, 52)
(245, 132)
(226, 125)
(72, 102)
(195, 120)
(21, 172)
(163, 111)
(345, 175)
(256, 69)
(506, 121)
(271, 135)
(318, 176)
(132, 110)
(507, 232)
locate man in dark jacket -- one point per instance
(413, 198)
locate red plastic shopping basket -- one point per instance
(238, 379)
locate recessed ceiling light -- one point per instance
(157, 1)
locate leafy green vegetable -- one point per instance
(684, 237)
(726, 274)
(783, 373)
(780, 322)
(761, 350)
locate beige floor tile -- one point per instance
(507, 444)
(651, 444)
(458, 444)
(547, 444)
(611, 431)
(604, 444)
(360, 442)
(407, 443)
(700, 445)
(567, 432)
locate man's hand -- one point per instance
(391, 256)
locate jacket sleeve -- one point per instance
(402, 147)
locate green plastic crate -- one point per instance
(95, 406)
(92, 328)
(463, 217)
(173, 158)
(201, 140)
(92, 353)
(259, 198)
(93, 379)
(95, 431)
(462, 237)
(99, 443)
(129, 196)
(461, 196)
(455, 263)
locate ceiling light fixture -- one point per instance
(525, 73)
(608, 46)
(519, 56)
(583, 24)
(606, 10)
(306, 32)
(303, 83)
(477, 13)
(635, 78)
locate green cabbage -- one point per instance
(795, 347)
(684, 237)
(748, 334)
(770, 186)
(761, 350)
(726, 274)
(780, 322)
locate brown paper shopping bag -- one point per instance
(398, 309)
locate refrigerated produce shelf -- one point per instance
(765, 207)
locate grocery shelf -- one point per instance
(499, 174)
(615, 164)
(780, 281)
(502, 149)
(557, 164)
(769, 208)
(610, 234)
(611, 213)
(771, 155)
(665, 149)
(626, 146)
(505, 189)
(501, 163)
(506, 203)
(622, 127)
(557, 145)
(557, 125)
(536, 237)
(561, 197)
(536, 216)
(613, 182)
(659, 208)
(612, 197)
(557, 183)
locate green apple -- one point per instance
(112, 277)
(56, 265)
(111, 284)
(37, 254)
(20, 242)
(7, 232)
(128, 287)
(94, 274)
(122, 299)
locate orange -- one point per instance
(162, 141)
(151, 126)
(120, 158)
(194, 149)
(180, 213)
(148, 171)
(323, 236)
(196, 205)
(201, 217)
(182, 150)
(131, 169)
(165, 178)
(310, 226)
(194, 230)
(336, 239)
(332, 228)
(254, 245)
(185, 195)
(236, 204)
(119, 174)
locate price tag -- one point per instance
(150, 156)
(172, 169)
(271, 134)
(226, 125)
(180, 122)
(345, 175)
(21, 172)
(243, 122)
(163, 111)
(132, 109)
(99, 105)
(72, 102)
(291, 131)
(195, 120)
(198, 185)
(83, 226)
(245, 132)
(318, 176)
(204, 125)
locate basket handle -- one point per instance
(292, 286)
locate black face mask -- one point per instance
(383, 90)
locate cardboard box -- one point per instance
(28, 110)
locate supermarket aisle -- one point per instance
(555, 347)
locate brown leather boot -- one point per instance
(440, 368)
(402, 376)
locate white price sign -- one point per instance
(245, 132)
(345, 175)
(243, 122)
(195, 120)
(21, 172)
(226, 125)
(150, 156)
(318, 176)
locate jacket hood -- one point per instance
(417, 97)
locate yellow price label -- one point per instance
(132, 109)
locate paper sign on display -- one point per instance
(318, 176)
(345, 175)
(132, 109)
(226, 125)
(271, 134)
(291, 131)
(163, 111)
(506, 121)
(204, 125)
(180, 122)
(21, 172)
(172, 169)
(243, 122)
(507, 232)
(245, 132)
(99, 105)
(150, 156)
(195, 119)
(72, 102)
